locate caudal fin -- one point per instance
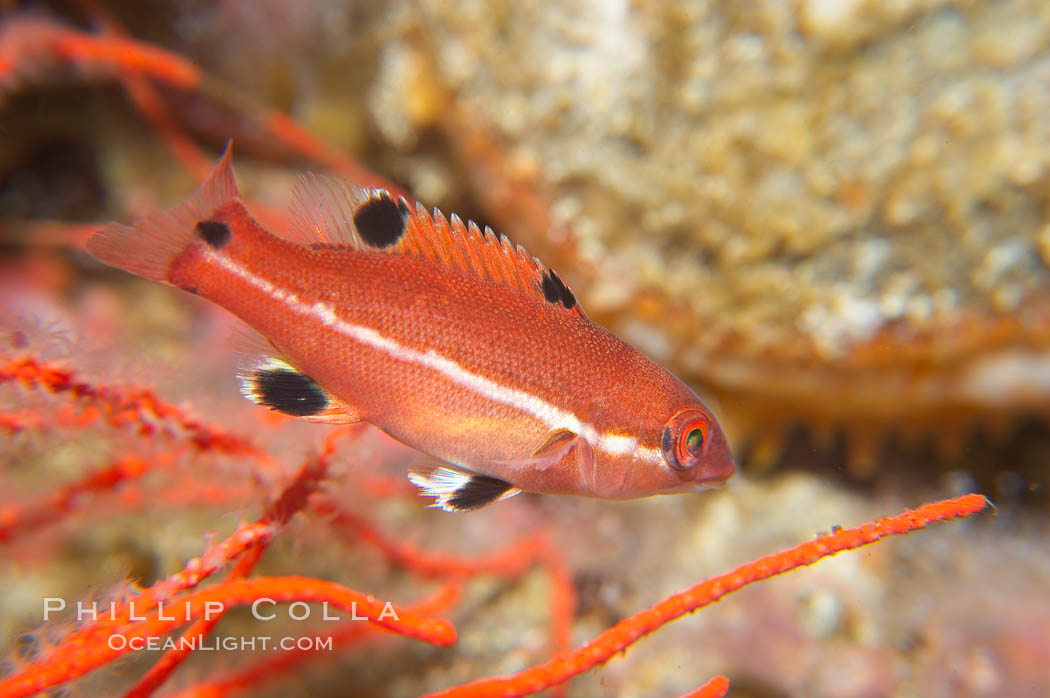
(148, 247)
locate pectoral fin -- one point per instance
(460, 490)
(556, 442)
(268, 378)
(276, 384)
(552, 450)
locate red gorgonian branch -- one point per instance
(628, 631)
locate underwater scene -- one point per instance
(588, 349)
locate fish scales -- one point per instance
(482, 359)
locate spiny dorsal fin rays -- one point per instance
(329, 211)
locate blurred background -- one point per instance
(831, 217)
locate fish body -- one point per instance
(443, 335)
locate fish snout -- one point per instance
(718, 465)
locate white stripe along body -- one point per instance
(463, 348)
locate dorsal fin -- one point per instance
(330, 211)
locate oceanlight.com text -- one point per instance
(212, 643)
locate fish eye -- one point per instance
(694, 441)
(684, 439)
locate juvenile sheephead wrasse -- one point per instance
(445, 336)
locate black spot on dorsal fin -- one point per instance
(330, 212)
(555, 290)
(275, 384)
(215, 233)
(380, 221)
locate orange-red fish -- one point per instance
(445, 336)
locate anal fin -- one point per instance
(459, 490)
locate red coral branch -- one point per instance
(124, 406)
(28, 44)
(511, 561)
(288, 660)
(241, 592)
(625, 633)
(149, 102)
(73, 655)
(245, 538)
(17, 517)
(200, 629)
(90, 647)
(74, 659)
(717, 687)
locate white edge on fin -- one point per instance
(246, 376)
(335, 411)
(444, 482)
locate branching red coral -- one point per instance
(89, 647)
(138, 408)
(80, 655)
(18, 517)
(715, 688)
(32, 48)
(200, 629)
(289, 660)
(627, 632)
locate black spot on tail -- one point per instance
(555, 290)
(215, 233)
(289, 391)
(380, 221)
(477, 492)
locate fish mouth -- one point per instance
(716, 477)
(720, 465)
(711, 483)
